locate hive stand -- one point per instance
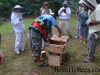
(55, 49)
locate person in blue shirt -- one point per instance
(40, 28)
(84, 27)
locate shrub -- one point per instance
(1, 20)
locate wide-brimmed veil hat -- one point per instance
(90, 3)
(17, 7)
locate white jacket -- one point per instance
(43, 12)
(94, 16)
(64, 15)
(17, 25)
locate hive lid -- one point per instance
(59, 39)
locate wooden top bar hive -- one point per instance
(56, 44)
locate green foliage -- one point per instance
(6, 6)
(0, 20)
(33, 6)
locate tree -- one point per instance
(33, 6)
(6, 7)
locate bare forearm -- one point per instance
(59, 30)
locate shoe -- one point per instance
(43, 64)
(21, 49)
(76, 37)
(88, 60)
(85, 54)
(18, 53)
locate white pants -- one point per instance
(18, 41)
(65, 24)
(78, 28)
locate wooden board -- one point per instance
(55, 48)
(55, 60)
(60, 39)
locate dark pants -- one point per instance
(92, 42)
(35, 42)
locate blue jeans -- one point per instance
(84, 30)
(78, 29)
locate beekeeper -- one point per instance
(94, 27)
(18, 26)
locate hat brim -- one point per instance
(87, 5)
(85, 2)
(18, 8)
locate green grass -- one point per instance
(24, 64)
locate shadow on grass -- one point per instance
(67, 58)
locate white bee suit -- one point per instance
(19, 28)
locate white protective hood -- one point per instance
(93, 2)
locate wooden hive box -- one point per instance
(56, 44)
(54, 60)
(55, 48)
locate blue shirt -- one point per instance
(47, 20)
(43, 24)
(83, 17)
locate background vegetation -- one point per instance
(32, 6)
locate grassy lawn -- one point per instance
(24, 65)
